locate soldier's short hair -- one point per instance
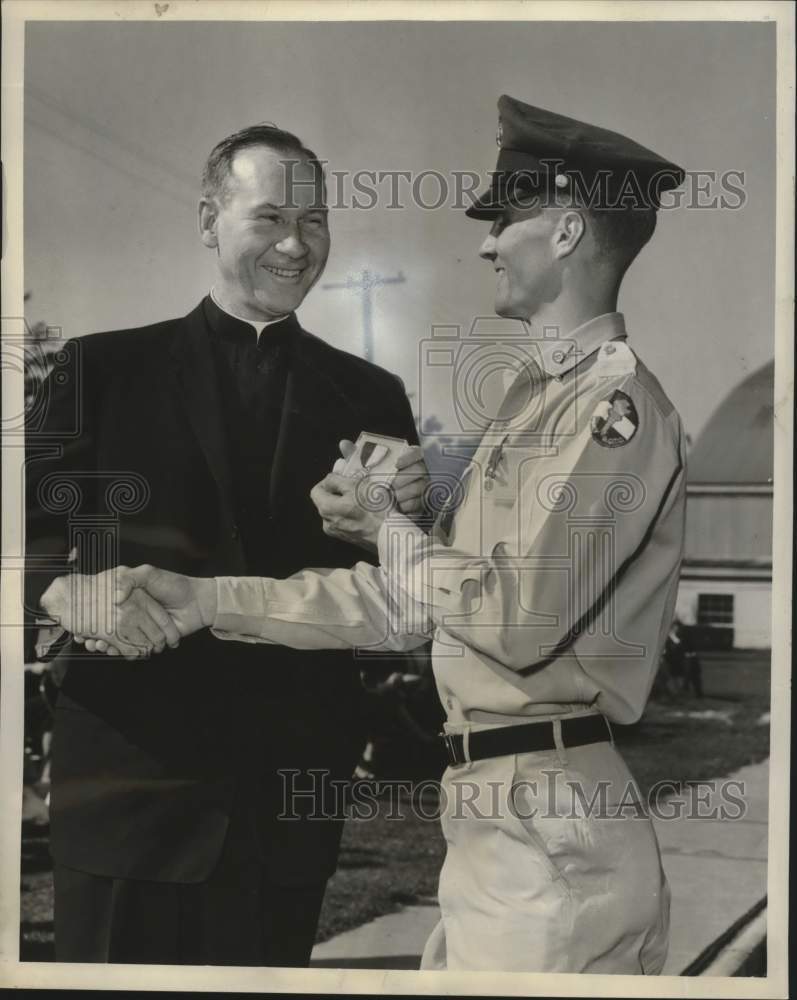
(621, 232)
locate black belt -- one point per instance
(527, 738)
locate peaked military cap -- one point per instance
(545, 154)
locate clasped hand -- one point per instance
(353, 508)
(131, 612)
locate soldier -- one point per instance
(549, 592)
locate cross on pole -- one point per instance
(365, 284)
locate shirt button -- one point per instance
(235, 532)
(611, 349)
(449, 702)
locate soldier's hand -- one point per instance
(189, 602)
(347, 448)
(411, 481)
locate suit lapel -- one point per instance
(196, 386)
(316, 413)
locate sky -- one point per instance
(119, 118)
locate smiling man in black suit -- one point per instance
(168, 778)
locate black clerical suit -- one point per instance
(188, 446)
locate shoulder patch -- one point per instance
(615, 420)
(615, 358)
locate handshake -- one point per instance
(131, 612)
(135, 612)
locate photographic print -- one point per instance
(396, 485)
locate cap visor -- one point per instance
(488, 205)
(516, 188)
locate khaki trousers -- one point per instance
(550, 867)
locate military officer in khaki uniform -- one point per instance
(548, 591)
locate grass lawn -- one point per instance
(385, 863)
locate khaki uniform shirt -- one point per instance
(551, 588)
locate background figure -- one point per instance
(692, 679)
(39, 698)
(673, 660)
(680, 671)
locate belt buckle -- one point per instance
(451, 751)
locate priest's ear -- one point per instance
(208, 218)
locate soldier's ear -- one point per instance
(208, 219)
(567, 233)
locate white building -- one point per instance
(726, 580)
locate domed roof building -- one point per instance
(736, 444)
(726, 579)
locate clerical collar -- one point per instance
(247, 333)
(258, 325)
